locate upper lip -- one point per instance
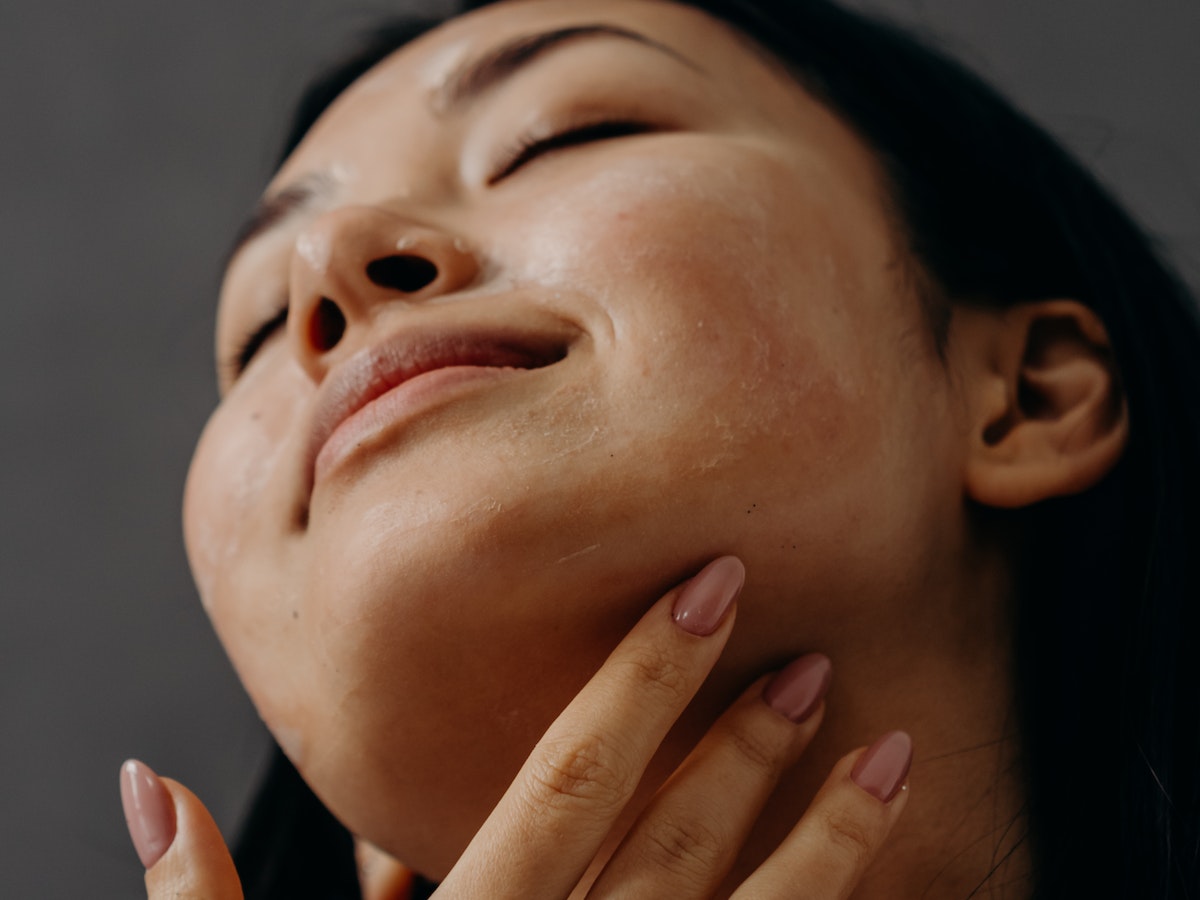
(379, 368)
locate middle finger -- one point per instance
(688, 838)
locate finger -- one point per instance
(688, 838)
(831, 847)
(552, 820)
(176, 839)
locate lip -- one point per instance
(410, 371)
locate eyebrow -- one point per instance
(275, 210)
(463, 86)
(476, 76)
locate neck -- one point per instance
(944, 676)
(937, 664)
(962, 833)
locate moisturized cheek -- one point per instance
(205, 553)
(672, 220)
(396, 533)
(238, 453)
(567, 422)
(387, 524)
(739, 314)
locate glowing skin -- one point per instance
(747, 372)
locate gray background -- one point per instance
(135, 135)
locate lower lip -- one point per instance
(402, 403)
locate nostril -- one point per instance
(327, 326)
(407, 274)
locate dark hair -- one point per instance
(1108, 602)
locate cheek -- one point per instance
(230, 484)
(731, 297)
(766, 360)
(660, 225)
(238, 508)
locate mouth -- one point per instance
(409, 372)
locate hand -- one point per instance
(548, 828)
(176, 839)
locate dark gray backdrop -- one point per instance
(136, 134)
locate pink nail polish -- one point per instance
(149, 811)
(881, 770)
(702, 604)
(798, 689)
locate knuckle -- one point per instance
(652, 668)
(849, 836)
(756, 752)
(585, 771)
(683, 846)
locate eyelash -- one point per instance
(252, 342)
(524, 149)
(536, 142)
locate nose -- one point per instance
(353, 261)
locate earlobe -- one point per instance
(1048, 416)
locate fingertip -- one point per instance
(848, 822)
(149, 811)
(704, 602)
(798, 690)
(882, 769)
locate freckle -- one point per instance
(255, 416)
(295, 613)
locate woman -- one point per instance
(563, 303)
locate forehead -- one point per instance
(416, 82)
(445, 50)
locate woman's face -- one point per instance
(682, 332)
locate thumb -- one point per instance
(176, 839)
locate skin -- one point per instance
(747, 371)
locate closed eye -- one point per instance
(253, 342)
(530, 146)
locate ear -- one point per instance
(1047, 413)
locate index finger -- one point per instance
(550, 823)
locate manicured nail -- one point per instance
(149, 811)
(881, 770)
(703, 602)
(798, 689)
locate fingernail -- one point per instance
(881, 770)
(798, 689)
(149, 811)
(703, 602)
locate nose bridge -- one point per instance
(349, 261)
